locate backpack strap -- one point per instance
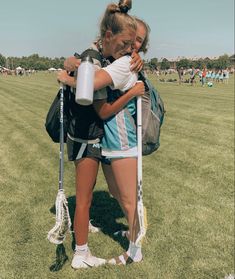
(142, 77)
(93, 54)
(77, 55)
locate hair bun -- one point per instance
(125, 6)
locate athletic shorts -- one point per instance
(105, 160)
(77, 149)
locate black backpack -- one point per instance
(52, 123)
(73, 113)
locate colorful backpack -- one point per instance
(152, 117)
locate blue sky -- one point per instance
(56, 28)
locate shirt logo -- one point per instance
(96, 145)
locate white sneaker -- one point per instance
(92, 228)
(85, 260)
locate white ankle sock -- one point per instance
(81, 248)
(134, 252)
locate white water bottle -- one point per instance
(85, 82)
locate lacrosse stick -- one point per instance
(142, 216)
(63, 223)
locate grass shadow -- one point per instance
(60, 260)
(104, 213)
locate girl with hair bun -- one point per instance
(117, 38)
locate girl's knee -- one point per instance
(83, 205)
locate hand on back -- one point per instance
(71, 63)
(136, 62)
(64, 78)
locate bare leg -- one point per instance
(112, 185)
(110, 179)
(86, 172)
(125, 173)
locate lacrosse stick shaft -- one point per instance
(140, 206)
(63, 223)
(139, 143)
(61, 167)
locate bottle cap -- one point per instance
(87, 58)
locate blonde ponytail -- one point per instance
(117, 19)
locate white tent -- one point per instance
(52, 70)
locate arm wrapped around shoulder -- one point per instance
(120, 73)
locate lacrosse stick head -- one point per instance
(63, 223)
(143, 226)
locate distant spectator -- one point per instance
(226, 76)
(217, 75)
(181, 74)
(208, 75)
(221, 76)
(193, 75)
(213, 75)
(203, 79)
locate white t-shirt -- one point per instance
(122, 77)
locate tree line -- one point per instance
(222, 62)
(36, 62)
(33, 61)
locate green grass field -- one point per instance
(188, 188)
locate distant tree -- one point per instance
(33, 61)
(147, 65)
(2, 60)
(165, 64)
(41, 64)
(58, 62)
(154, 63)
(210, 64)
(184, 63)
(232, 60)
(36, 62)
(198, 64)
(222, 62)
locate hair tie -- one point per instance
(124, 9)
(125, 6)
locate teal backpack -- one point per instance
(153, 112)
